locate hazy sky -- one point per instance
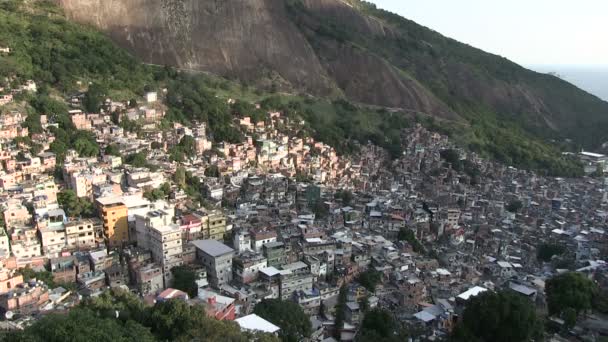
(529, 32)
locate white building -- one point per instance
(255, 323)
(156, 232)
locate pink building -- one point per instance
(48, 161)
(25, 298)
(80, 121)
(9, 279)
(16, 214)
(5, 99)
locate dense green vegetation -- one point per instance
(432, 58)
(380, 326)
(47, 48)
(546, 251)
(121, 316)
(184, 279)
(498, 316)
(514, 206)
(75, 206)
(456, 73)
(160, 193)
(369, 279)
(65, 57)
(342, 124)
(340, 314)
(44, 276)
(190, 99)
(406, 234)
(505, 141)
(186, 148)
(289, 316)
(79, 325)
(453, 158)
(570, 291)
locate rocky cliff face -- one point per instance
(328, 47)
(252, 40)
(230, 37)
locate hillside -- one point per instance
(339, 47)
(64, 57)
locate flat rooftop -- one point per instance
(212, 247)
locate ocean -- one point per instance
(594, 80)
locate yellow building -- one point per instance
(113, 213)
(213, 225)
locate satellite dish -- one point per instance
(9, 315)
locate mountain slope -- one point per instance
(64, 57)
(333, 47)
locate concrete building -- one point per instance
(241, 241)
(149, 279)
(52, 232)
(216, 225)
(275, 253)
(157, 233)
(247, 266)
(114, 213)
(217, 259)
(261, 237)
(80, 235)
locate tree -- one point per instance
(600, 300)
(406, 234)
(369, 279)
(514, 206)
(188, 146)
(289, 316)
(173, 320)
(44, 276)
(212, 171)
(184, 279)
(364, 304)
(546, 251)
(340, 308)
(94, 97)
(112, 150)
(379, 326)
(75, 206)
(498, 316)
(138, 159)
(82, 324)
(346, 196)
(160, 193)
(569, 291)
(569, 315)
(180, 177)
(84, 143)
(320, 209)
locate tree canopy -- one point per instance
(82, 324)
(184, 278)
(569, 290)
(288, 316)
(497, 316)
(406, 234)
(379, 325)
(369, 279)
(75, 206)
(546, 251)
(121, 316)
(514, 206)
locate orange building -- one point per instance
(113, 213)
